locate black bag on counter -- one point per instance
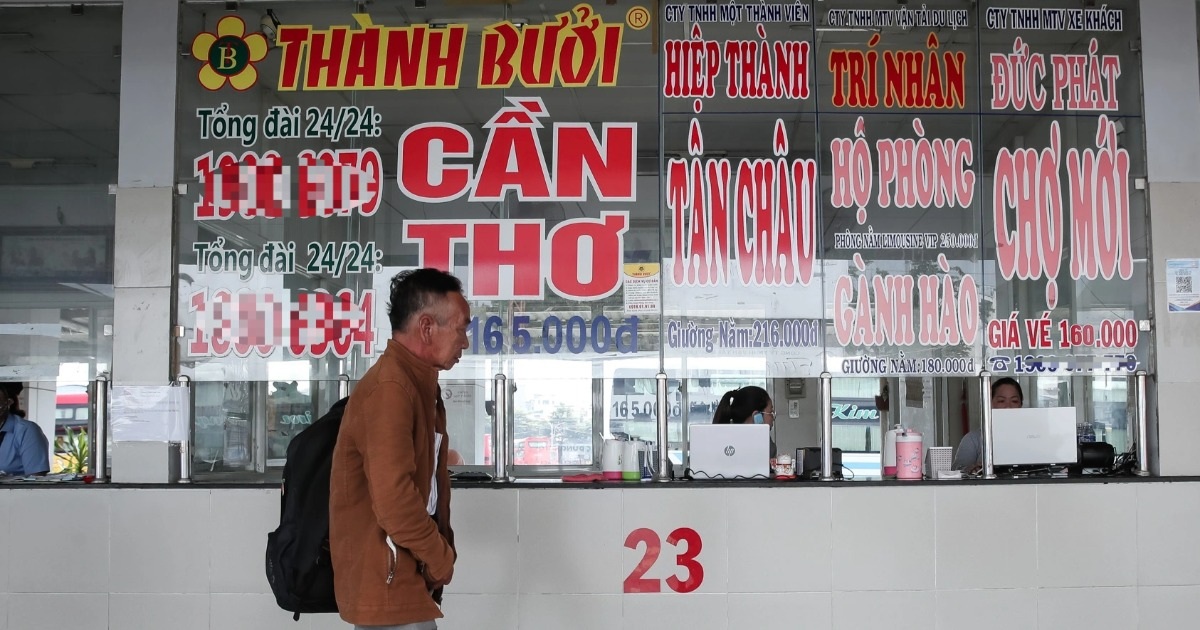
(298, 564)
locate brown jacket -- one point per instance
(379, 488)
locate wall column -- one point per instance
(144, 240)
(1172, 110)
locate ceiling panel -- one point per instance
(81, 111)
(13, 118)
(51, 144)
(59, 103)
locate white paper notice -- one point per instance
(150, 413)
(642, 282)
(1183, 292)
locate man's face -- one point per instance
(450, 332)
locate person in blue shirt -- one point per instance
(24, 449)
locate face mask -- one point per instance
(758, 417)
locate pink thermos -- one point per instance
(909, 462)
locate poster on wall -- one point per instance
(1182, 293)
(292, 197)
(865, 189)
(1065, 224)
(742, 271)
(900, 213)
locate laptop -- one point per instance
(1036, 435)
(729, 451)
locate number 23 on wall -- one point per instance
(686, 540)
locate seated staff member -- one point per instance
(24, 449)
(1006, 394)
(748, 405)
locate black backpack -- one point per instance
(298, 563)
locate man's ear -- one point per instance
(425, 323)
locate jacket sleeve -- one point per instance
(389, 462)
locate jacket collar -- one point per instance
(424, 375)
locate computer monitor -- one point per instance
(729, 451)
(1034, 435)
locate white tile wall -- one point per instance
(159, 610)
(894, 610)
(696, 611)
(577, 612)
(986, 536)
(799, 560)
(260, 612)
(59, 541)
(485, 523)
(665, 511)
(883, 538)
(142, 309)
(45, 611)
(472, 612)
(572, 541)
(1168, 553)
(239, 523)
(1086, 534)
(143, 261)
(1087, 608)
(224, 536)
(160, 541)
(760, 611)
(987, 609)
(1168, 607)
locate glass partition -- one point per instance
(732, 194)
(59, 113)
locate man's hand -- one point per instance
(433, 584)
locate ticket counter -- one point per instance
(1060, 555)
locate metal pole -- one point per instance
(500, 429)
(343, 386)
(985, 401)
(1143, 450)
(662, 471)
(826, 426)
(185, 445)
(98, 430)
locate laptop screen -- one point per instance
(1044, 435)
(729, 451)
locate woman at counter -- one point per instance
(24, 449)
(1006, 394)
(748, 405)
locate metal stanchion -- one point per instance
(98, 430)
(500, 429)
(185, 445)
(1143, 449)
(826, 426)
(343, 386)
(985, 400)
(662, 471)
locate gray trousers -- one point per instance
(424, 625)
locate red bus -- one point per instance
(71, 412)
(534, 451)
(530, 451)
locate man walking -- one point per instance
(389, 504)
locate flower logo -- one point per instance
(229, 55)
